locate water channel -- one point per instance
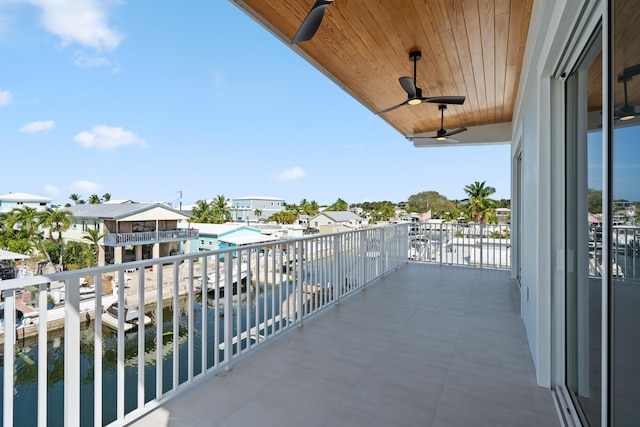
(26, 369)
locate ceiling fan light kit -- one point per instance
(414, 93)
(442, 135)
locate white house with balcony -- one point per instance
(243, 208)
(133, 231)
(11, 201)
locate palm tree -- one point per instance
(94, 199)
(28, 218)
(221, 213)
(479, 205)
(340, 205)
(309, 208)
(257, 213)
(94, 237)
(75, 198)
(106, 197)
(203, 211)
(479, 190)
(56, 220)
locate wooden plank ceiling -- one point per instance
(469, 47)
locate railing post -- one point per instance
(481, 243)
(228, 311)
(337, 287)
(299, 282)
(72, 352)
(443, 244)
(9, 349)
(362, 256)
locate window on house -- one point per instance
(84, 225)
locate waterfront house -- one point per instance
(345, 219)
(243, 208)
(11, 201)
(133, 231)
(229, 234)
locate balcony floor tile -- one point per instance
(427, 345)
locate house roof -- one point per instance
(248, 240)
(117, 211)
(25, 197)
(339, 216)
(258, 198)
(214, 229)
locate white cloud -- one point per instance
(83, 60)
(109, 138)
(38, 126)
(5, 98)
(5, 23)
(50, 190)
(82, 22)
(292, 174)
(84, 187)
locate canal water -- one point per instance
(26, 372)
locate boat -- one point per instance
(212, 285)
(131, 317)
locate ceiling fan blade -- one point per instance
(409, 86)
(312, 22)
(457, 100)
(393, 108)
(455, 131)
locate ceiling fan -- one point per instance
(442, 135)
(627, 112)
(414, 93)
(311, 23)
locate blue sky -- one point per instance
(145, 99)
(626, 170)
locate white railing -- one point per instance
(124, 239)
(202, 311)
(626, 252)
(477, 245)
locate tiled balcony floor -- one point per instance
(427, 345)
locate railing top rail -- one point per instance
(19, 283)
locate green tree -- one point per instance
(284, 217)
(309, 208)
(383, 211)
(76, 255)
(203, 211)
(430, 201)
(94, 237)
(56, 220)
(479, 205)
(75, 198)
(27, 218)
(106, 197)
(257, 213)
(94, 199)
(221, 213)
(594, 201)
(339, 206)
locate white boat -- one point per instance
(131, 317)
(212, 284)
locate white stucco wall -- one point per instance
(538, 116)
